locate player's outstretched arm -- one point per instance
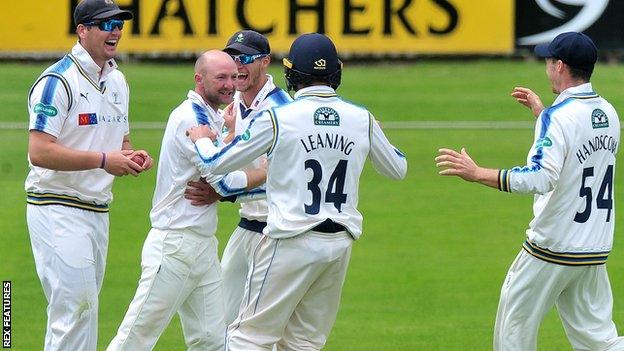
(529, 99)
(460, 164)
(386, 159)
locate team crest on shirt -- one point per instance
(116, 100)
(543, 142)
(599, 119)
(326, 116)
(47, 110)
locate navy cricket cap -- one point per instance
(574, 49)
(91, 10)
(248, 42)
(314, 54)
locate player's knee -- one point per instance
(210, 341)
(298, 345)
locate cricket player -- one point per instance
(255, 92)
(78, 142)
(570, 170)
(180, 267)
(316, 148)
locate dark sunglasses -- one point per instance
(246, 59)
(108, 25)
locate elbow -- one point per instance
(402, 171)
(399, 173)
(36, 159)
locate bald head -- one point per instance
(215, 72)
(213, 59)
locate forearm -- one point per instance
(488, 177)
(60, 158)
(255, 177)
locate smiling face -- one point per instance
(252, 76)
(100, 44)
(215, 76)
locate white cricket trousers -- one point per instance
(293, 292)
(180, 273)
(235, 264)
(69, 247)
(582, 295)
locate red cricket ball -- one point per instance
(138, 159)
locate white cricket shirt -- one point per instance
(178, 164)
(85, 108)
(571, 169)
(316, 148)
(268, 97)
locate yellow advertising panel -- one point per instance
(356, 26)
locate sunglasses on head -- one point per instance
(108, 25)
(246, 59)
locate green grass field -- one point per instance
(427, 272)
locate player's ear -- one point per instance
(559, 65)
(81, 31)
(198, 78)
(266, 61)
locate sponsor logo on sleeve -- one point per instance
(599, 119)
(326, 116)
(245, 136)
(543, 142)
(47, 110)
(86, 119)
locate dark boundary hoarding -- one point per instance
(541, 20)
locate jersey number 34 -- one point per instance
(335, 187)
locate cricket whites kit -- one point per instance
(319, 141)
(67, 212)
(571, 169)
(180, 267)
(238, 251)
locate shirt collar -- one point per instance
(92, 69)
(579, 90)
(262, 94)
(212, 114)
(318, 90)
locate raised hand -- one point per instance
(529, 99)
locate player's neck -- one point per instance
(569, 83)
(249, 95)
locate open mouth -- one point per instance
(226, 93)
(111, 43)
(242, 76)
